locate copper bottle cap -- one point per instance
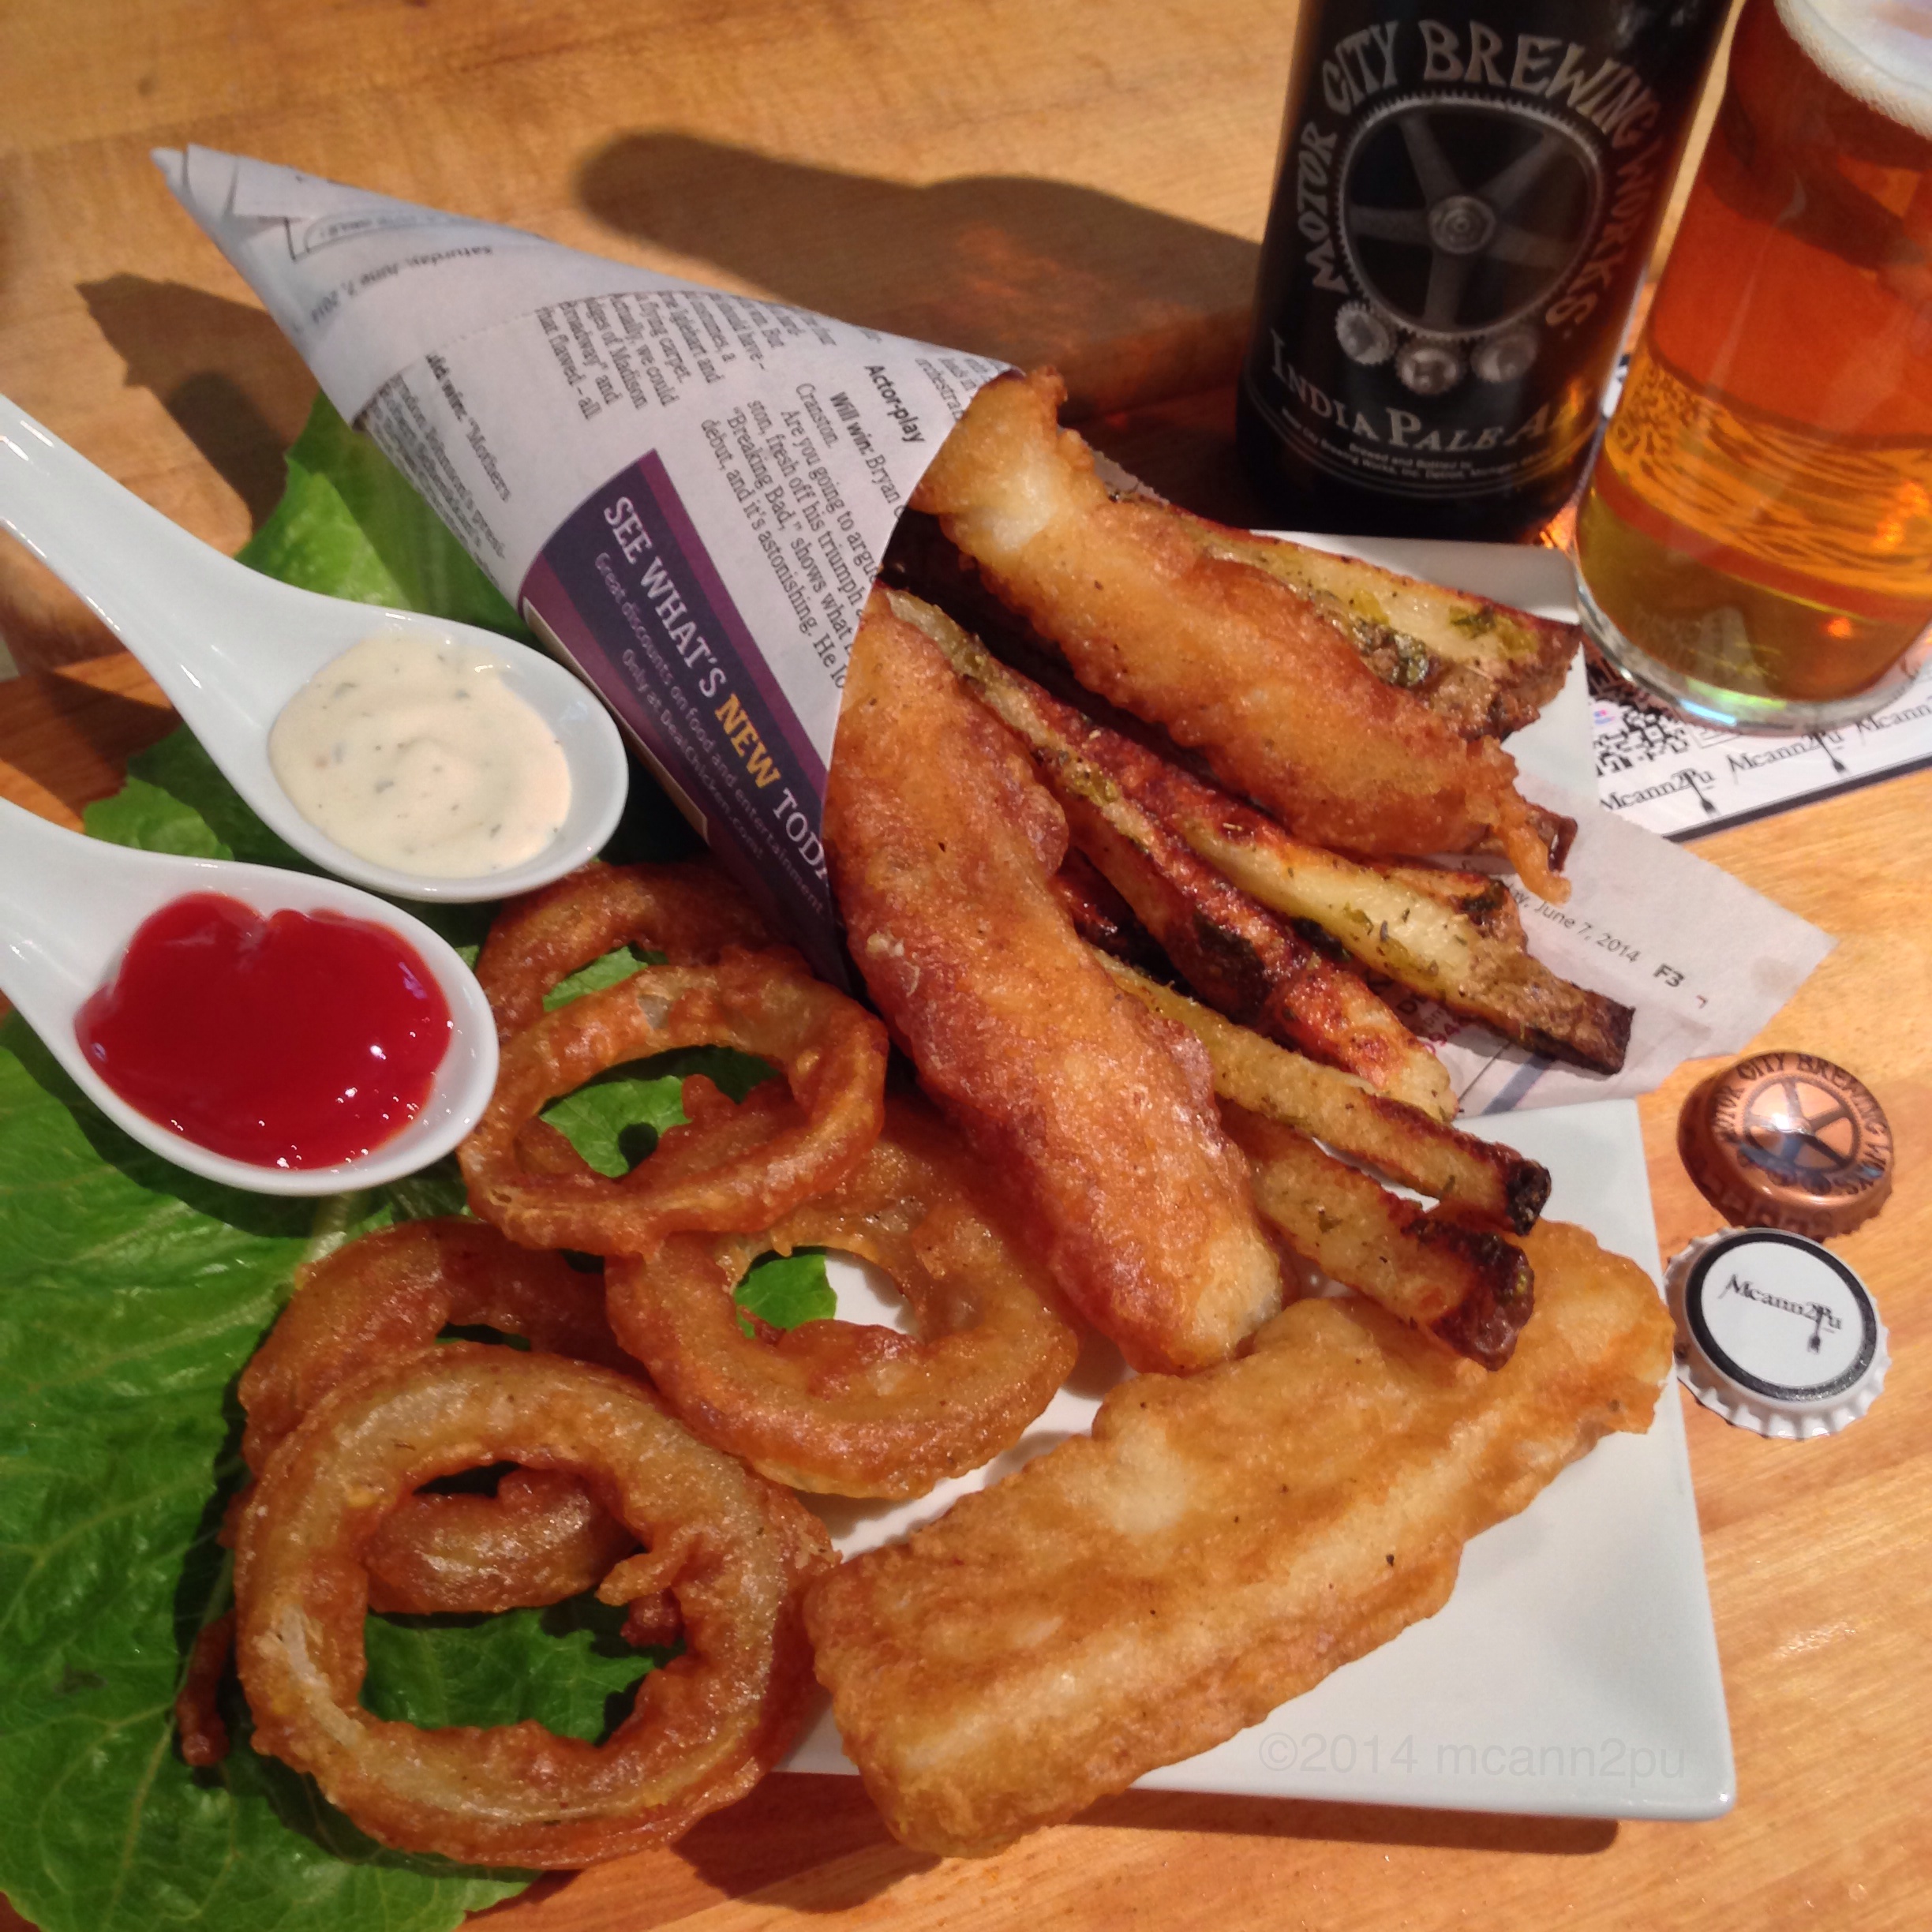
(1788, 1140)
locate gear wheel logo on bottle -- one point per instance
(1462, 214)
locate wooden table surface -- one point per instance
(1040, 179)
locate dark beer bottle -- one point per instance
(1463, 212)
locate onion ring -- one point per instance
(847, 1409)
(390, 1295)
(735, 1552)
(831, 1050)
(386, 1297)
(691, 913)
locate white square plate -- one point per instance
(1574, 1670)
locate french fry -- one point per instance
(1455, 936)
(1255, 968)
(1486, 668)
(1474, 1181)
(1102, 917)
(1242, 959)
(1472, 1291)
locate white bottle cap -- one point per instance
(1776, 1334)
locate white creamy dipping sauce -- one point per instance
(412, 752)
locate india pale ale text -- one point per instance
(1465, 205)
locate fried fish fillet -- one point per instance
(1484, 669)
(1218, 1546)
(1231, 660)
(1101, 1116)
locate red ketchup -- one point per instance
(298, 1040)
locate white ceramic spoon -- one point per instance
(230, 647)
(69, 905)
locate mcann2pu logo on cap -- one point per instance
(1775, 1334)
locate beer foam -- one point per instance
(1879, 51)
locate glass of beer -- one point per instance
(1756, 544)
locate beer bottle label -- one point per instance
(1464, 209)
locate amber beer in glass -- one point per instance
(1756, 542)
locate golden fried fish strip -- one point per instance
(942, 844)
(1228, 658)
(1485, 669)
(1218, 1546)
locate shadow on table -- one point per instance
(1184, 448)
(69, 741)
(1129, 303)
(222, 369)
(1351, 1824)
(240, 393)
(815, 1845)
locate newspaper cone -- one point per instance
(685, 493)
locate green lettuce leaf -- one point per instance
(151, 818)
(599, 973)
(783, 1291)
(177, 801)
(350, 525)
(567, 1667)
(131, 1295)
(614, 1121)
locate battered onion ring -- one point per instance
(390, 1295)
(843, 1408)
(735, 1552)
(831, 1050)
(386, 1297)
(691, 913)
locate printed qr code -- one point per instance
(1629, 727)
